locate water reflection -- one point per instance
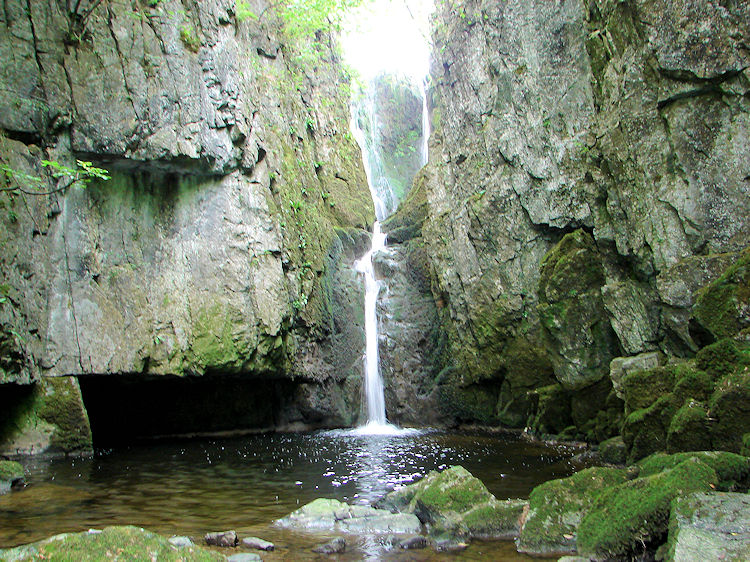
(246, 483)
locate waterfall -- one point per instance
(373, 381)
(385, 201)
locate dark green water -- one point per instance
(192, 487)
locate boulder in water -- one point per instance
(11, 473)
(457, 503)
(336, 546)
(257, 544)
(335, 515)
(221, 538)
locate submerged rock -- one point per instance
(330, 514)
(244, 557)
(258, 544)
(456, 503)
(221, 538)
(710, 526)
(335, 546)
(413, 543)
(11, 473)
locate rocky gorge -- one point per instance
(572, 262)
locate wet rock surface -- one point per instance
(326, 514)
(222, 538)
(334, 546)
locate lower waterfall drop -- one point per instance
(374, 395)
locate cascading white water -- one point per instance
(373, 381)
(389, 37)
(385, 202)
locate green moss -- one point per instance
(689, 428)
(189, 38)
(129, 544)
(719, 306)
(495, 519)
(10, 470)
(453, 490)
(641, 389)
(645, 430)
(573, 265)
(628, 515)
(730, 406)
(722, 358)
(745, 450)
(729, 467)
(613, 450)
(552, 409)
(691, 383)
(62, 406)
(556, 507)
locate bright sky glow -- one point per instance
(389, 36)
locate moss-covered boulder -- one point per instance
(629, 515)
(699, 404)
(557, 507)
(731, 469)
(578, 334)
(709, 526)
(120, 543)
(11, 473)
(455, 503)
(613, 450)
(51, 419)
(723, 307)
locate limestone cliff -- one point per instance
(221, 243)
(588, 173)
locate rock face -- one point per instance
(221, 243)
(710, 527)
(587, 177)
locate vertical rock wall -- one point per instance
(588, 173)
(213, 248)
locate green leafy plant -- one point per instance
(243, 11)
(80, 176)
(190, 39)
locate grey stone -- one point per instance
(180, 542)
(221, 538)
(413, 543)
(621, 366)
(335, 546)
(244, 557)
(335, 515)
(710, 526)
(256, 543)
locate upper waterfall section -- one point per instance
(386, 44)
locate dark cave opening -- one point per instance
(124, 409)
